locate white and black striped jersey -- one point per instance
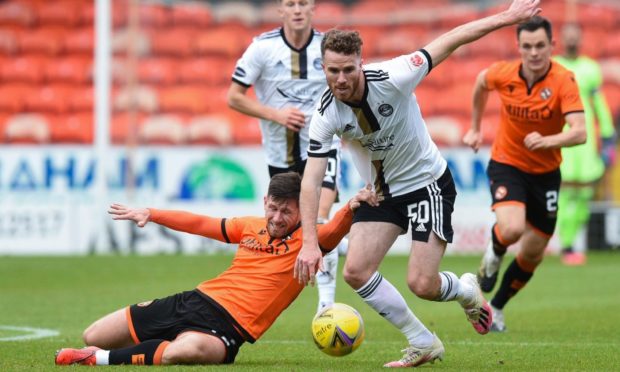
(283, 76)
(385, 132)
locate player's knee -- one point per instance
(511, 232)
(354, 277)
(90, 336)
(423, 287)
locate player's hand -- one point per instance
(367, 195)
(473, 139)
(522, 10)
(138, 215)
(309, 262)
(292, 118)
(535, 141)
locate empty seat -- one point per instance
(80, 40)
(25, 68)
(123, 40)
(13, 96)
(27, 128)
(197, 15)
(141, 97)
(154, 15)
(16, 13)
(329, 13)
(124, 127)
(444, 130)
(162, 129)
(222, 41)
(246, 130)
(235, 11)
(210, 130)
(209, 70)
(74, 128)
(8, 42)
(76, 69)
(50, 98)
(42, 41)
(157, 70)
(184, 98)
(66, 13)
(82, 98)
(176, 41)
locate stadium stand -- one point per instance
(187, 51)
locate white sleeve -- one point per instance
(322, 131)
(407, 71)
(249, 66)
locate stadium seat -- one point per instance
(221, 41)
(74, 128)
(397, 42)
(184, 99)
(24, 68)
(81, 98)
(210, 129)
(455, 99)
(80, 40)
(329, 14)
(173, 41)
(13, 96)
(50, 98)
(15, 13)
(123, 125)
(154, 15)
(42, 41)
(122, 40)
(87, 13)
(65, 13)
(163, 130)
(27, 128)
(246, 129)
(158, 70)
(236, 11)
(198, 15)
(8, 42)
(143, 98)
(76, 69)
(445, 130)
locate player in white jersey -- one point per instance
(284, 66)
(372, 109)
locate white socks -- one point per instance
(102, 357)
(385, 299)
(454, 289)
(326, 279)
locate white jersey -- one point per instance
(386, 133)
(283, 77)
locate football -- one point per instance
(338, 329)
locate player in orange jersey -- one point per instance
(538, 96)
(207, 325)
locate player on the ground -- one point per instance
(584, 165)
(371, 108)
(207, 325)
(284, 66)
(538, 96)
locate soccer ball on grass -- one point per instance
(338, 329)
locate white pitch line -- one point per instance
(32, 333)
(469, 343)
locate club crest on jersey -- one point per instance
(317, 64)
(386, 110)
(416, 60)
(239, 71)
(545, 93)
(501, 193)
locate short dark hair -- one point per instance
(284, 187)
(342, 41)
(534, 24)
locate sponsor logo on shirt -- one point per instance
(380, 144)
(317, 64)
(257, 247)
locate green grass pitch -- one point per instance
(567, 319)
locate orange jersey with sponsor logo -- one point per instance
(259, 284)
(540, 108)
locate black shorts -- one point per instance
(332, 173)
(538, 192)
(168, 317)
(427, 209)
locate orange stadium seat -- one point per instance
(163, 130)
(192, 14)
(210, 129)
(233, 12)
(82, 98)
(455, 100)
(598, 16)
(80, 40)
(209, 70)
(66, 13)
(246, 129)
(328, 14)
(173, 41)
(14, 13)
(142, 97)
(8, 42)
(73, 128)
(397, 42)
(3, 119)
(42, 41)
(445, 130)
(13, 96)
(154, 15)
(121, 127)
(221, 41)
(124, 42)
(184, 98)
(27, 128)
(120, 10)
(157, 70)
(50, 98)
(76, 69)
(27, 69)
(87, 13)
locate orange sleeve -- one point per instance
(206, 226)
(571, 101)
(331, 233)
(493, 75)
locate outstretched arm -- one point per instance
(289, 117)
(519, 11)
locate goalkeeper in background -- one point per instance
(582, 166)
